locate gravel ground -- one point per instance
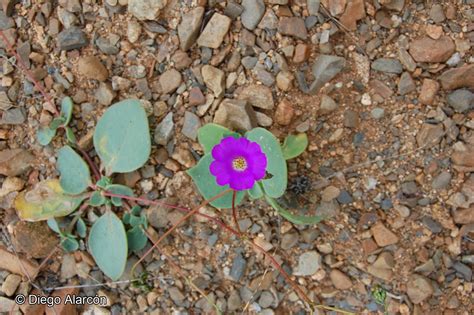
(383, 88)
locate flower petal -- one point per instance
(244, 181)
(221, 172)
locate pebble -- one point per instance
(164, 130)
(34, 238)
(419, 288)
(387, 65)
(72, 38)
(264, 76)
(214, 79)
(458, 78)
(188, 29)
(351, 119)
(328, 105)
(463, 270)
(461, 100)
(257, 95)
(191, 125)
(284, 80)
(146, 9)
(429, 135)
(426, 49)
(249, 62)
(437, 13)
(464, 216)
(383, 236)
(196, 97)
(293, 26)
(406, 59)
(233, 10)
(428, 92)
(266, 299)
(13, 116)
(15, 162)
(284, 113)
(215, 31)
(68, 267)
(302, 53)
(10, 284)
(329, 193)
(442, 181)
(6, 305)
(134, 30)
(313, 6)
(252, 13)
(308, 264)
(377, 113)
(324, 70)
(355, 10)
(432, 224)
(91, 68)
(269, 20)
(344, 197)
(236, 114)
(169, 81)
(289, 240)
(340, 280)
(239, 264)
(104, 94)
(406, 84)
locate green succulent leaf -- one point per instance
(53, 225)
(45, 135)
(256, 192)
(294, 145)
(75, 174)
(136, 210)
(81, 228)
(103, 182)
(66, 109)
(57, 122)
(96, 199)
(276, 164)
(45, 201)
(126, 218)
(70, 135)
(119, 190)
(137, 239)
(296, 219)
(207, 186)
(108, 245)
(69, 244)
(122, 138)
(211, 134)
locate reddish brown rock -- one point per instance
(464, 216)
(257, 95)
(63, 308)
(35, 239)
(340, 280)
(458, 77)
(9, 261)
(369, 246)
(302, 52)
(426, 49)
(293, 26)
(464, 160)
(15, 162)
(383, 236)
(92, 68)
(429, 89)
(284, 113)
(355, 11)
(419, 288)
(196, 97)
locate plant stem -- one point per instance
(92, 165)
(30, 76)
(234, 212)
(188, 215)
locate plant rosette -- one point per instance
(253, 164)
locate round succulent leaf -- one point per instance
(211, 134)
(66, 109)
(97, 199)
(121, 137)
(45, 135)
(69, 244)
(208, 187)
(81, 228)
(294, 145)
(75, 174)
(256, 192)
(53, 225)
(57, 122)
(118, 190)
(108, 245)
(137, 239)
(70, 135)
(45, 201)
(276, 164)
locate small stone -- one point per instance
(429, 89)
(68, 267)
(406, 60)
(324, 70)
(293, 26)
(328, 105)
(344, 197)
(264, 76)
(383, 236)
(236, 114)
(249, 62)
(384, 261)
(191, 125)
(308, 264)
(458, 77)
(104, 94)
(387, 65)
(289, 240)
(196, 97)
(340, 280)
(134, 30)
(13, 116)
(465, 271)
(406, 84)
(181, 60)
(263, 120)
(258, 96)
(434, 31)
(461, 100)
(188, 29)
(252, 14)
(239, 264)
(419, 288)
(215, 31)
(10, 284)
(355, 10)
(429, 135)
(464, 216)
(302, 52)
(6, 305)
(432, 224)
(15, 162)
(266, 299)
(176, 295)
(393, 4)
(269, 20)
(437, 13)
(284, 113)
(92, 68)
(214, 79)
(34, 238)
(430, 50)
(234, 301)
(377, 113)
(313, 6)
(169, 81)
(164, 130)
(351, 119)
(233, 10)
(17, 264)
(329, 193)
(442, 181)
(72, 38)
(284, 80)
(382, 273)
(146, 9)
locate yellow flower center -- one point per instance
(239, 164)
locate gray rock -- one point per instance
(463, 270)
(191, 125)
(233, 10)
(454, 60)
(214, 32)
(393, 4)
(165, 129)
(107, 46)
(461, 100)
(264, 76)
(269, 20)
(249, 62)
(308, 264)
(252, 14)
(406, 84)
(176, 295)
(257, 95)
(238, 267)
(266, 299)
(324, 70)
(387, 65)
(13, 116)
(437, 13)
(442, 180)
(313, 6)
(432, 224)
(351, 119)
(377, 113)
(72, 38)
(104, 94)
(344, 197)
(234, 301)
(328, 105)
(289, 240)
(214, 79)
(169, 81)
(406, 59)
(236, 114)
(5, 21)
(409, 188)
(188, 29)
(146, 9)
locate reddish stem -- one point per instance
(91, 163)
(23, 67)
(234, 212)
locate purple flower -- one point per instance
(238, 163)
